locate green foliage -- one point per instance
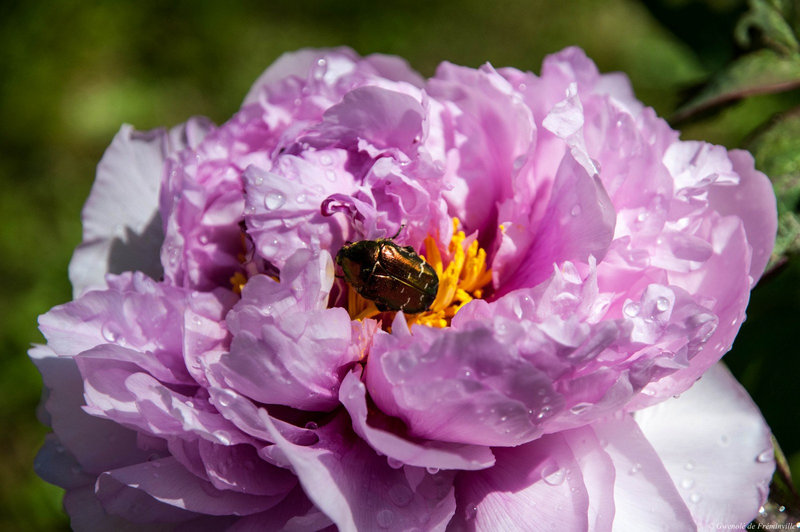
(763, 71)
(777, 153)
(771, 18)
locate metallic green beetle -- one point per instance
(394, 277)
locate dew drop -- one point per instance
(385, 518)
(580, 408)
(635, 469)
(543, 412)
(331, 175)
(258, 180)
(223, 437)
(325, 159)
(631, 309)
(687, 483)
(400, 494)
(662, 304)
(695, 497)
(274, 200)
(108, 333)
(765, 456)
(226, 398)
(689, 466)
(311, 425)
(432, 470)
(301, 198)
(642, 216)
(406, 363)
(394, 463)
(552, 474)
(576, 210)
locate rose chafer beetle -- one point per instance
(394, 277)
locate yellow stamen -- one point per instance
(238, 280)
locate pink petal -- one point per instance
(404, 450)
(715, 446)
(166, 481)
(538, 485)
(751, 200)
(645, 497)
(358, 490)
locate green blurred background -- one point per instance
(72, 72)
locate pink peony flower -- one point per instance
(214, 371)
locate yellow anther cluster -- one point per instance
(238, 280)
(461, 281)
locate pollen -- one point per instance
(463, 275)
(462, 280)
(238, 280)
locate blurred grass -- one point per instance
(72, 72)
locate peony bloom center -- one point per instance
(462, 279)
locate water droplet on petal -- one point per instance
(406, 363)
(222, 436)
(635, 469)
(226, 398)
(325, 159)
(689, 466)
(311, 425)
(432, 470)
(580, 408)
(765, 456)
(274, 200)
(331, 175)
(687, 483)
(394, 463)
(400, 494)
(662, 304)
(385, 518)
(301, 198)
(552, 474)
(695, 497)
(576, 210)
(631, 309)
(109, 333)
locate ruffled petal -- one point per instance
(376, 430)
(358, 490)
(287, 348)
(124, 491)
(753, 201)
(458, 386)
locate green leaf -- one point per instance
(769, 17)
(777, 152)
(760, 72)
